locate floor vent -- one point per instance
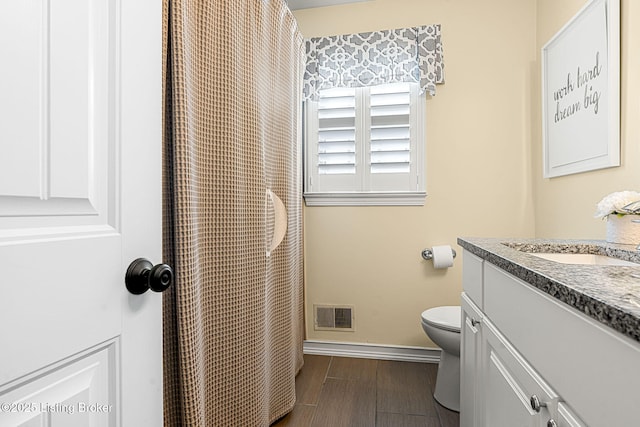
(333, 318)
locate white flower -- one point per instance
(616, 201)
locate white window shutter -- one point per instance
(337, 132)
(366, 144)
(390, 131)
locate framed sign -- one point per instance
(581, 92)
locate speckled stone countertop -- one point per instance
(609, 294)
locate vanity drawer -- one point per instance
(582, 359)
(472, 277)
(510, 385)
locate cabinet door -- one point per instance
(566, 417)
(470, 363)
(509, 385)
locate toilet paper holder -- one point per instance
(428, 254)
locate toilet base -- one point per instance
(447, 391)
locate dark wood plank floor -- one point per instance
(348, 392)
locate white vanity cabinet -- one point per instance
(527, 359)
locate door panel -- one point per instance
(57, 158)
(61, 395)
(20, 86)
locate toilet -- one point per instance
(442, 325)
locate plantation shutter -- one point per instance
(363, 139)
(333, 142)
(390, 135)
(337, 132)
(392, 138)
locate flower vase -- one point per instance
(621, 229)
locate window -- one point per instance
(364, 146)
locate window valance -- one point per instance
(374, 58)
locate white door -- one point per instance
(80, 198)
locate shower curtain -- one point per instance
(232, 191)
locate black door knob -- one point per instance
(142, 275)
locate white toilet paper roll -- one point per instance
(442, 256)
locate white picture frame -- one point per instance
(581, 92)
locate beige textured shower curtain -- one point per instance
(233, 320)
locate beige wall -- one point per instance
(478, 157)
(484, 169)
(565, 205)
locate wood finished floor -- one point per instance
(348, 392)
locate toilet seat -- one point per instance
(446, 317)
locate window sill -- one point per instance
(416, 198)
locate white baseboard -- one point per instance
(373, 351)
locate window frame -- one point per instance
(345, 196)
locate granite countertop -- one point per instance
(609, 294)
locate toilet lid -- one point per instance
(446, 317)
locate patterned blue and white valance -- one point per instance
(374, 58)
